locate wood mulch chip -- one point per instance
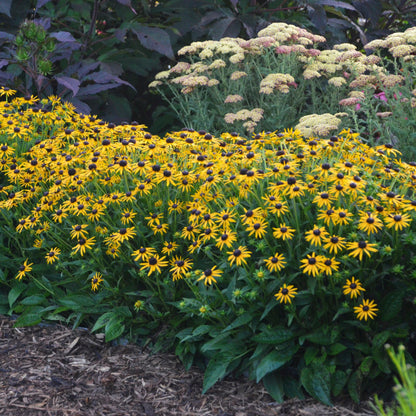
(54, 370)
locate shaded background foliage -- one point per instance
(108, 51)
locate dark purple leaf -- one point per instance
(95, 88)
(45, 22)
(80, 106)
(120, 34)
(334, 3)
(125, 2)
(3, 62)
(234, 3)
(370, 10)
(6, 36)
(103, 77)
(154, 39)
(87, 67)
(5, 6)
(210, 17)
(41, 3)
(222, 27)
(70, 83)
(63, 36)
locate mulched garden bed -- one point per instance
(53, 370)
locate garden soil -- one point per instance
(57, 371)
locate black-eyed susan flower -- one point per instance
(334, 244)
(342, 216)
(127, 216)
(154, 263)
(154, 218)
(312, 265)
(283, 231)
(286, 293)
(328, 265)
(123, 234)
(359, 248)
(239, 256)
(227, 238)
(143, 253)
(323, 200)
(175, 206)
(160, 228)
(79, 231)
(209, 275)
(275, 263)
(24, 269)
(83, 245)
(397, 221)
(369, 223)
(366, 310)
(258, 228)
(179, 267)
(278, 208)
(353, 288)
(316, 235)
(96, 280)
(52, 255)
(225, 218)
(194, 246)
(169, 247)
(328, 216)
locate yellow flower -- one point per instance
(283, 231)
(96, 280)
(397, 221)
(316, 235)
(312, 264)
(154, 263)
(239, 255)
(286, 293)
(366, 310)
(83, 245)
(275, 263)
(334, 244)
(24, 269)
(353, 288)
(258, 228)
(53, 255)
(359, 248)
(209, 275)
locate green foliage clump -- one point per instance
(285, 257)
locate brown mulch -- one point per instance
(53, 370)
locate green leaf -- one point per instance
(338, 381)
(274, 386)
(240, 321)
(276, 335)
(379, 340)
(102, 321)
(15, 292)
(392, 305)
(28, 319)
(114, 329)
(336, 348)
(365, 365)
(216, 369)
(33, 300)
(321, 336)
(201, 330)
(293, 388)
(273, 361)
(77, 302)
(317, 380)
(310, 354)
(354, 386)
